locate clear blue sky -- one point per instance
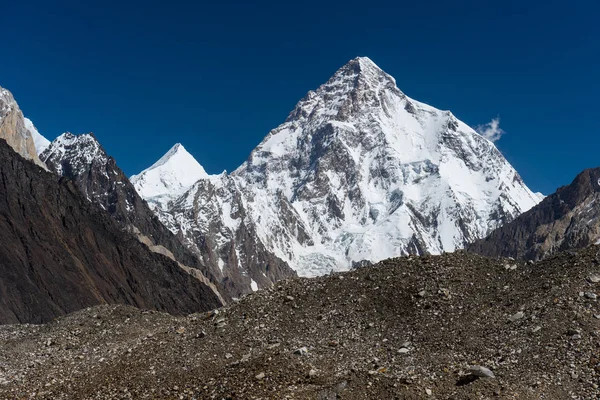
(217, 76)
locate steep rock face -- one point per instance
(82, 159)
(17, 130)
(359, 171)
(567, 219)
(60, 253)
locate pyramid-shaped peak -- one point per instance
(169, 177)
(353, 89)
(362, 66)
(364, 62)
(175, 152)
(360, 73)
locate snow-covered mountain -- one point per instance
(169, 177)
(358, 171)
(18, 131)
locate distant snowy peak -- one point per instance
(169, 177)
(76, 151)
(41, 143)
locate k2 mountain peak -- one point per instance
(358, 171)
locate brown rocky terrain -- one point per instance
(406, 328)
(60, 253)
(567, 219)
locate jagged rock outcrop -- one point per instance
(358, 171)
(82, 159)
(567, 219)
(16, 130)
(60, 252)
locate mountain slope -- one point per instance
(213, 220)
(83, 160)
(60, 253)
(17, 130)
(359, 171)
(567, 219)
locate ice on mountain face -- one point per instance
(169, 177)
(41, 143)
(359, 171)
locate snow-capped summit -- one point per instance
(360, 171)
(169, 177)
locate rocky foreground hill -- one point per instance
(455, 326)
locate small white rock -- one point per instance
(590, 295)
(517, 316)
(594, 278)
(481, 372)
(301, 351)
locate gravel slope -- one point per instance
(406, 328)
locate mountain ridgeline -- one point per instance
(358, 171)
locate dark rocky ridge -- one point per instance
(567, 219)
(83, 160)
(406, 328)
(60, 253)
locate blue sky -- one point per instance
(217, 76)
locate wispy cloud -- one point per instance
(491, 130)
